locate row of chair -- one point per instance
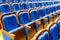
(17, 1)
(52, 32)
(5, 1)
(5, 8)
(9, 22)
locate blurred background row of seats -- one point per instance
(14, 7)
(17, 1)
(52, 32)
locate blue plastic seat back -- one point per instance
(30, 5)
(53, 32)
(24, 0)
(40, 13)
(44, 3)
(10, 22)
(24, 18)
(56, 2)
(33, 0)
(29, 0)
(47, 3)
(5, 8)
(17, 1)
(10, 1)
(57, 7)
(15, 7)
(33, 15)
(46, 11)
(39, 4)
(58, 25)
(23, 5)
(44, 36)
(51, 10)
(54, 8)
(36, 0)
(2, 1)
(35, 4)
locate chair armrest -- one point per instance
(46, 19)
(28, 27)
(9, 34)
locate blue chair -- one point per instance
(35, 4)
(46, 11)
(10, 24)
(53, 31)
(51, 9)
(24, 19)
(5, 8)
(15, 7)
(44, 36)
(40, 13)
(18, 1)
(11, 1)
(23, 0)
(39, 4)
(30, 5)
(58, 24)
(43, 3)
(33, 0)
(36, 0)
(23, 6)
(41, 35)
(33, 15)
(1, 1)
(29, 0)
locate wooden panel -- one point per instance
(32, 32)
(20, 35)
